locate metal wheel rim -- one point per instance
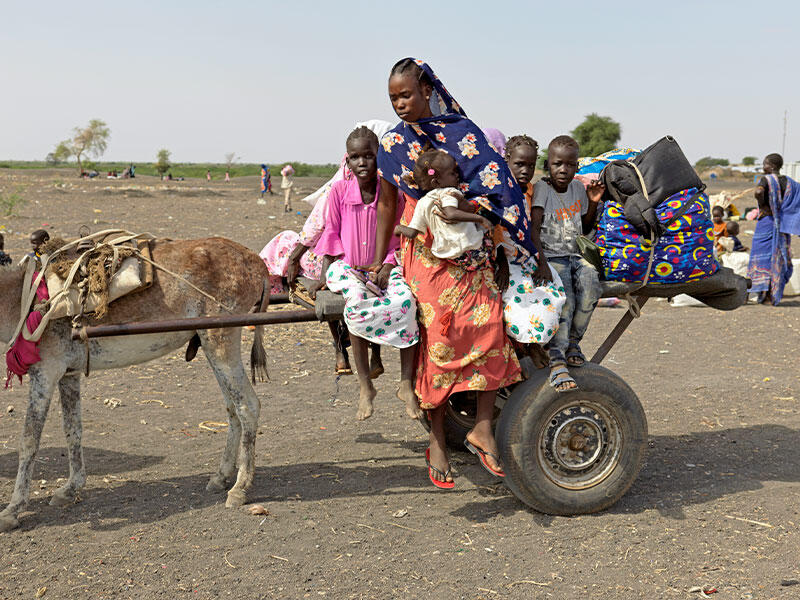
(579, 445)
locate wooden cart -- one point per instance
(565, 454)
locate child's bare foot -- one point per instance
(365, 398)
(406, 393)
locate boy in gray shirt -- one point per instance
(562, 210)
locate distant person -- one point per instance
(733, 235)
(227, 177)
(38, 239)
(5, 259)
(266, 183)
(208, 175)
(778, 200)
(133, 170)
(287, 174)
(718, 219)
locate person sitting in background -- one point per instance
(38, 239)
(5, 259)
(730, 242)
(718, 218)
(733, 233)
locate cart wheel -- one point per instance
(576, 452)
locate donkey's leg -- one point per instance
(222, 348)
(43, 382)
(227, 466)
(69, 389)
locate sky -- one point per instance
(283, 81)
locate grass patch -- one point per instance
(187, 169)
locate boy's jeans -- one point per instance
(582, 286)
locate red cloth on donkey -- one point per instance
(23, 354)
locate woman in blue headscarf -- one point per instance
(778, 199)
(463, 345)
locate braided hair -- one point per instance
(520, 140)
(407, 66)
(362, 132)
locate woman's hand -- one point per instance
(293, 267)
(373, 268)
(292, 271)
(314, 287)
(501, 273)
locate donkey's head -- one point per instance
(10, 300)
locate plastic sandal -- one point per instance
(575, 352)
(555, 380)
(444, 485)
(482, 454)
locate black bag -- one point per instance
(591, 252)
(645, 182)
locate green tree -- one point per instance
(162, 164)
(91, 140)
(597, 134)
(62, 152)
(708, 162)
(749, 161)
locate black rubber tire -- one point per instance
(523, 421)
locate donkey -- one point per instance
(230, 273)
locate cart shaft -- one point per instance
(191, 324)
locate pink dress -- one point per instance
(276, 253)
(350, 230)
(388, 317)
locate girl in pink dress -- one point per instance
(385, 317)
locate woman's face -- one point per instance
(362, 158)
(409, 98)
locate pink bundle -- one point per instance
(287, 170)
(23, 354)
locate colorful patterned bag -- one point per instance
(685, 252)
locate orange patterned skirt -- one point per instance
(463, 344)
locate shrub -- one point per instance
(10, 201)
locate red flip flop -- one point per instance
(445, 485)
(481, 454)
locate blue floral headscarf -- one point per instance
(485, 176)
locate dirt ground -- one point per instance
(715, 503)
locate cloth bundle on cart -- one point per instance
(683, 253)
(642, 183)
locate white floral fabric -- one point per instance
(389, 319)
(531, 313)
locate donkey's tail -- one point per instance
(258, 356)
